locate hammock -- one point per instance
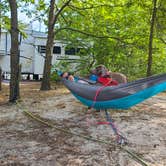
(122, 96)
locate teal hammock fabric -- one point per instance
(122, 96)
(125, 102)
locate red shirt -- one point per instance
(106, 81)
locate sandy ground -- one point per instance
(24, 141)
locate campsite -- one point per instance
(82, 83)
(25, 141)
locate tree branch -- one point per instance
(65, 20)
(92, 6)
(88, 34)
(60, 10)
(163, 40)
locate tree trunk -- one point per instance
(0, 23)
(150, 54)
(14, 53)
(45, 85)
(0, 78)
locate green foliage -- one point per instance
(55, 77)
(60, 66)
(116, 33)
(23, 7)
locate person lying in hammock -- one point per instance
(102, 75)
(70, 77)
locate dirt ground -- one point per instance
(26, 142)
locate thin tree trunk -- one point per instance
(49, 47)
(53, 16)
(0, 78)
(150, 54)
(14, 53)
(0, 23)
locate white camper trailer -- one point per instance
(32, 53)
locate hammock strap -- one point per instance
(119, 138)
(97, 93)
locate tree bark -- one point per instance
(53, 16)
(0, 78)
(0, 24)
(45, 85)
(14, 53)
(150, 54)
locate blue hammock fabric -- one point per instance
(122, 96)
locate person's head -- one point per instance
(100, 71)
(65, 74)
(68, 76)
(97, 70)
(71, 78)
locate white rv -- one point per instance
(32, 52)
